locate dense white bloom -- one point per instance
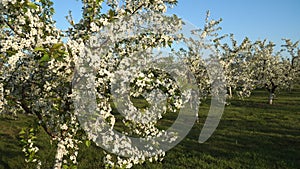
(64, 127)
(104, 21)
(94, 27)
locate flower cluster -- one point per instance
(2, 100)
(28, 139)
(67, 147)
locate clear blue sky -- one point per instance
(257, 19)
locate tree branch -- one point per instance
(38, 114)
(138, 8)
(11, 27)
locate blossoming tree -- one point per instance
(292, 61)
(38, 66)
(269, 67)
(235, 61)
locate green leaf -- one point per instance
(31, 130)
(57, 46)
(88, 143)
(170, 43)
(62, 52)
(22, 132)
(52, 10)
(111, 14)
(65, 167)
(32, 5)
(37, 49)
(45, 58)
(74, 167)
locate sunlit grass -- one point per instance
(251, 134)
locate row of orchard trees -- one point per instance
(38, 64)
(248, 65)
(256, 64)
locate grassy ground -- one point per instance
(251, 134)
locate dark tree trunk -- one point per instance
(271, 88)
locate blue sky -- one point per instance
(257, 19)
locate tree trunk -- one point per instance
(290, 88)
(59, 156)
(271, 88)
(230, 92)
(271, 97)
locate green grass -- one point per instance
(251, 134)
